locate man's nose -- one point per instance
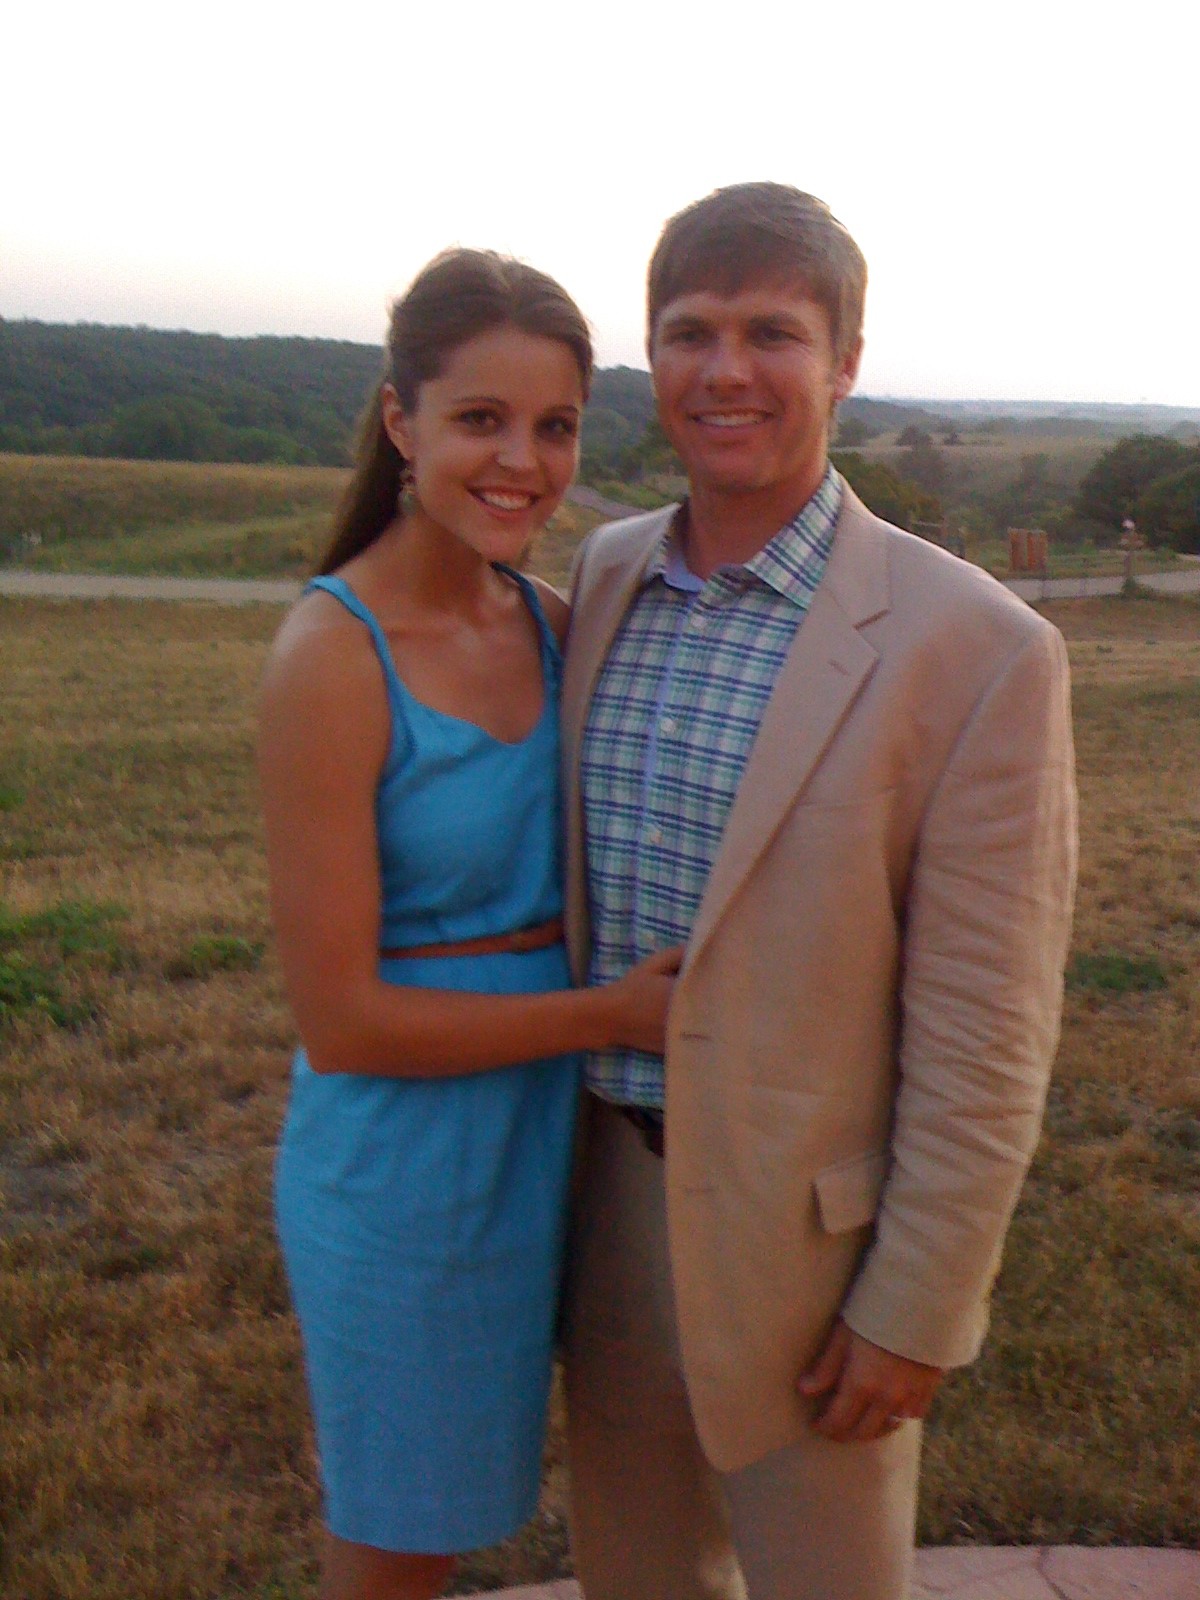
(728, 365)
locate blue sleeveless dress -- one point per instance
(422, 1219)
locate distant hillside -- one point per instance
(142, 393)
(1064, 416)
(84, 389)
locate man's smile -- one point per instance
(729, 419)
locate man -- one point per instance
(837, 762)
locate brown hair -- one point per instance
(458, 296)
(755, 232)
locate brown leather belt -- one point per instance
(650, 1125)
(539, 937)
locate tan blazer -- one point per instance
(862, 1033)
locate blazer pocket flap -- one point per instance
(848, 1192)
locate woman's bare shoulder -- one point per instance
(321, 655)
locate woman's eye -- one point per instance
(561, 427)
(479, 419)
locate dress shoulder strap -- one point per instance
(341, 590)
(550, 645)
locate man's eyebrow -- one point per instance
(682, 318)
(781, 318)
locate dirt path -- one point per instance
(105, 586)
(1076, 588)
(282, 591)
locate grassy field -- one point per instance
(155, 1439)
(982, 464)
(73, 514)
(174, 518)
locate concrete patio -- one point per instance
(1063, 1572)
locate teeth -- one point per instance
(729, 419)
(505, 502)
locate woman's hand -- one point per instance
(641, 999)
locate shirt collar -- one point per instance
(792, 562)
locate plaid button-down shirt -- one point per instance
(672, 720)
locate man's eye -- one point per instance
(770, 334)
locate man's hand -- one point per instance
(871, 1391)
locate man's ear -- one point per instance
(395, 421)
(847, 372)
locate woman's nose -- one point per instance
(517, 450)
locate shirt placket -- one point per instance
(669, 878)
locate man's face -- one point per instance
(746, 384)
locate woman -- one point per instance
(409, 772)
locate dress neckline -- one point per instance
(341, 590)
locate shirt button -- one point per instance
(667, 725)
(697, 620)
(654, 835)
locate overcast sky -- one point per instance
(1022, 179)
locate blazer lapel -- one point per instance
(821, 678)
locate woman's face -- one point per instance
(493, 442)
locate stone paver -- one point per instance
(566, 1590)
(1064, 1572)
(980, 1572)
(1124, 1574)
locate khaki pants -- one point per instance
(651, 1519)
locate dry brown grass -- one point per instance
(1081, 1423)
(155, 1440)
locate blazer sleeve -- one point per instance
(988, 920)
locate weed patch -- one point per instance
(217, 952)
(1110, 973)
(71, 929)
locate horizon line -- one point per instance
(884, 398)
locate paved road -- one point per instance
(282, 591)
(1183, 582)
(103, 586)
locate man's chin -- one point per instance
(731, 481)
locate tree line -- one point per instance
(1152, 480)
(173, 396)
